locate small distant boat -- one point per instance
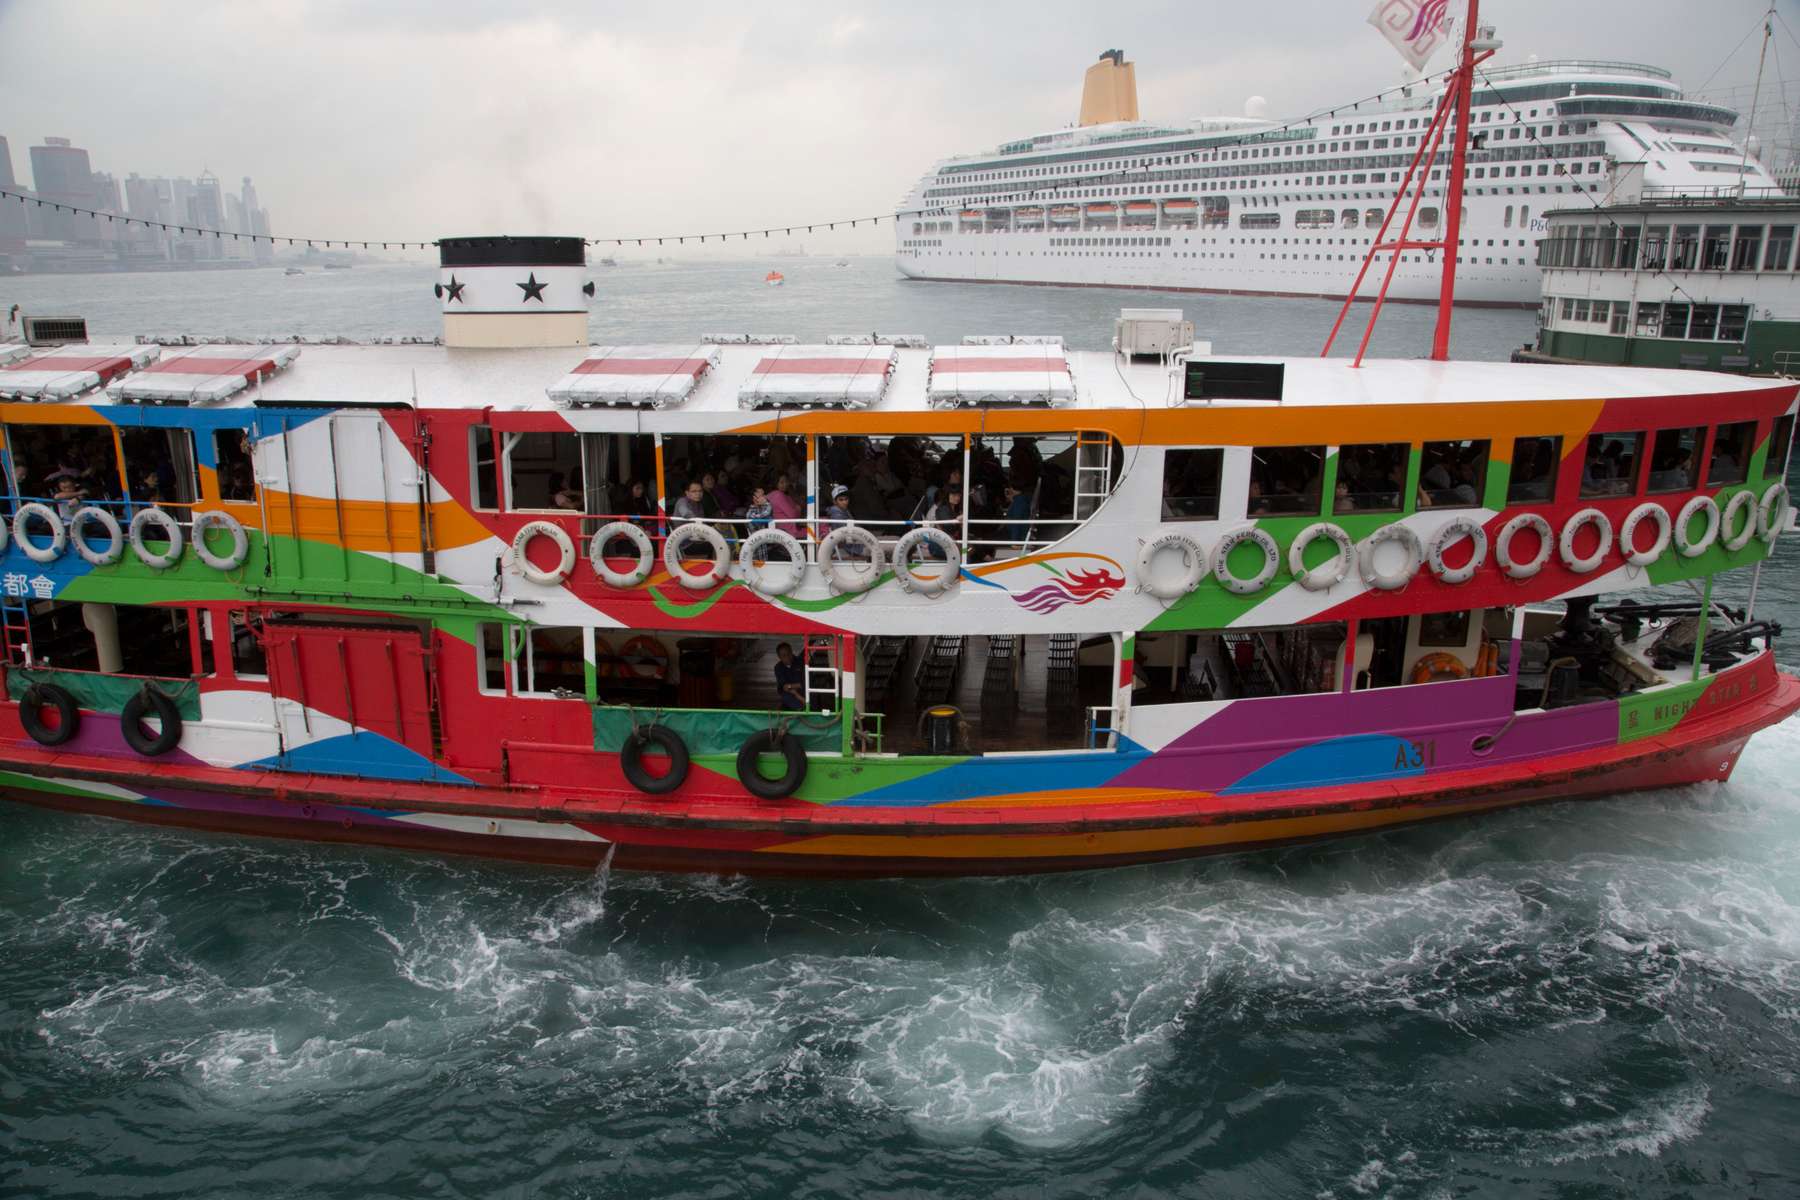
(293, 271)
(609, 261)
(774, 279)
(843, 262)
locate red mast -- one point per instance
(1453, 108)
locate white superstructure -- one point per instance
(1249, 206)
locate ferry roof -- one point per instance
(433, 376)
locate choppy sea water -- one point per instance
(1597, 999)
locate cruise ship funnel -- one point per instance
(1109, 90)
(513, 291)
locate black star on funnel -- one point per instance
(532, 288)
(454, 290)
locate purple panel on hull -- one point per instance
(1251, 734)
(100, 734)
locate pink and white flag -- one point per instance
(1416, 27)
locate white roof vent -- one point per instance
(205, 374)
(639, 376)
(819, 376)
(1015, 375)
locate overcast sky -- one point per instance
(416, 118)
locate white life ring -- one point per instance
(1503, 546)
(715, 542)
(837, 568)
(1454, 528)
(59, 533)
(771, 583)
(171, 530)
(1326, 575)
(1740, 508)
(1651, 511)
(1694, 548)
(565, 550)
(1193, 566)
(240, 542)
(1771, 514)
(1389, 581)
(1221, 560)
(946, 545)
(115, 544)
(1566, 546)
(640, 541)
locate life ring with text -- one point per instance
(640, 542)
(1193, 566)
(1584, 565)
(1391, 580)
(1692, 547)
(1647, 511)
(565, 550)
(1221, 560)
(943, 543)
(1771, 514)
(240, 542)
(1524, 569)
(115, 537)
(753, 562)
(1326, 575)
(59, 533)
(1737, 524)
(1438, 666)
(846, 572)
(714, 542)
(1458, 527)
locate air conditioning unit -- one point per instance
(55, 331)
(1157, 331)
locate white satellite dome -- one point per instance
(1256, 106)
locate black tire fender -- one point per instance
(770, 741)
(40, 696)
(150, 702)
(631, 759)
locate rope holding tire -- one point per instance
(240, 542)
(1326, 575)
(171, 531)
(59, 533)
(1647, 511)
(715, 542)
(631, 759)
(1458, 527)
(771, 741)
(1566, 546)
(1698, 506)
(1221, 560)
(1524, 569)
(115, 544)
(32, 704)
(640, 541)
(911, 541)
(150, 702)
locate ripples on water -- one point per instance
(1593, 999)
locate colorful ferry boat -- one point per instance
(871, 606)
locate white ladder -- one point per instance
(821, 681)
(1093, 472)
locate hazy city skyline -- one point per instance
(551, 118)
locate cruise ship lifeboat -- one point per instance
(1140, 212)
(774, 279)
(1065, 214)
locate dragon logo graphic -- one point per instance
(1079, 587)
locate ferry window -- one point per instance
(80, 461)
(1534, 461)
(237, 476)
(1747, 248)
(552, 661)
(1780, 443)
(481, 456)
(1733, 319)
(1176, 667)
(1656, 240)
(543, 471)
(1609, 467)
(248, 658)
(1715, 248)
(1191, 484)
(1371, 478)
(493, 657)
(1731, 453)
(1672, 460)
(1452, 474)
(1781, 247)
(1684, 251)
(153, 640)
(1285, 480)
(1675, 320)
(159, 465)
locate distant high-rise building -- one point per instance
(13, 221)
(60, 174)
(7, 180)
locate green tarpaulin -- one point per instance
(105, 693)
(716, 730)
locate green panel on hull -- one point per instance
(105, 693)
(716, 731)
(57, 787)
(1657, 712)
(830, 780)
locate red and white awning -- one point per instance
(68, 371)
(1017, 374)
(848, 376)
(656, 376)
(203, 374)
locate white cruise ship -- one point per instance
(1248, 206)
